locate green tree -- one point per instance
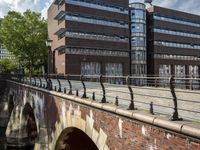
(24, 35)
(0, 28)
(7, 65)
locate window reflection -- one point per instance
(114, 69)
(90, 68)
(177, 20)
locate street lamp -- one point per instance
(49, 44)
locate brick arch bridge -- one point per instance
(108, 127)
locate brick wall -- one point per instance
(108, 126)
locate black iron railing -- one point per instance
(177, 96)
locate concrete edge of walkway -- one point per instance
(187, 128)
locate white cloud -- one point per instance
(190, 6)
(20, 6)
(44, 10)
(4, 7)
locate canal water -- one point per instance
(3, 145)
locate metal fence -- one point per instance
(173, 96)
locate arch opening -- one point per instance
(10, 104)
(74, 139)
(22, 128)
(31, 126)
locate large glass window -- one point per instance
(138, 14)
(138, 56)
(177, 20)
(114, 69)
(90, 68)
(179, 33)
(180, 70)
(178, 45)
(193, 71)
(94, 36)
(92, 20)
(138, 41)
(98, 5)
(139, 69)
(164, 70)
(90, 51)
(138, 27)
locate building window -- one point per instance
(138, 14)
(94, 36)
(93, 20)
(114, 69)
(138, 27)
(178, 33)
(138, 41)
(98, 5)
(176, 20)
(90, 68)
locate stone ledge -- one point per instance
(184, 127)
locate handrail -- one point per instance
(128, 91)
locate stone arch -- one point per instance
(72, 118)
(74, 139)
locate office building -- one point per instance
(173, 43)
(90, 37)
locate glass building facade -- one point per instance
(138, 40)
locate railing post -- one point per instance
(47, 83)
(116, 101)
(22, 78)
(59, 84)
(191, 83)
(50, 83)
(84, 87)
(151, 108)
(70, 86)
(175, 116)
(40, 81)
(34, 81)
(93, 96)
(131, 106)
(77, 94)
(30, 81)
(156, 82)
(103, 89)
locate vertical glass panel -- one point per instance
(138, 14)
(90, 68)
(138, 41)
(138, 27)
(114, 69)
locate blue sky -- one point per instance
(191, 6)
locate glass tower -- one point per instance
(138, 40)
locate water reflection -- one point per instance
(3, 145)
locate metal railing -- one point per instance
(173, 96)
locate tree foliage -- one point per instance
(24, 35)
(7, 66)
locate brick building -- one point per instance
(92, 37)
(89, 37)
(173, 42)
